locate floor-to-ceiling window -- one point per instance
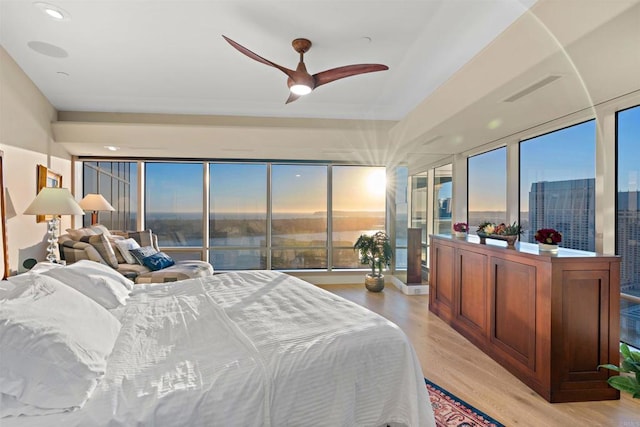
(238, 215)
(487, 188)
(557, 185)
(442, 199)
(419, 211)
(256, 214)
(628, 222)
(117, 183)
(174, 203)
(358, 207)
(401, 191)
(298, 216)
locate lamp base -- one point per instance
(52, 228)
(94, 217)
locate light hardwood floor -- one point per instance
(454, 363)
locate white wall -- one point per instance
(27, 141)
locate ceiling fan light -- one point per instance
(300, 89)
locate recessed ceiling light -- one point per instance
(48, 49)
(111, 148)
(53, 12)
(494, 124)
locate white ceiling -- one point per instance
(452, 65)
(164, 56)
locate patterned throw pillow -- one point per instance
(158, 261)
(104, 248)
(141, 253)
(77, 234)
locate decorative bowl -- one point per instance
(510, 238)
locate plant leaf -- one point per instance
(635, 355)
(610, 366)
(626, 384)
(624, 349)
(630, 366)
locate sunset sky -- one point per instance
(177, 187)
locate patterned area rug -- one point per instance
(451, 411)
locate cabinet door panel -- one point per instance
(471, 310)
(513, 319)
(441, 280)
(585, 324)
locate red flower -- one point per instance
(460, 227)
(548, 236)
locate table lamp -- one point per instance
(54, 202)
(95, 203)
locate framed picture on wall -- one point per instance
(47, 178)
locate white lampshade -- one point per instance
(95, 202)
(54, 201)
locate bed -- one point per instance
(253, 348)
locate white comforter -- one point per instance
(252, 349)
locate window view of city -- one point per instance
(487, 188)
(557, 185)
(628, 223)
(400, 186)
(419, 219)
(442, 189)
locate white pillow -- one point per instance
(124, 246)
(99, 282)
(55, 343)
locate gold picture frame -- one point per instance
(47, 178)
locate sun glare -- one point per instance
(377, 182)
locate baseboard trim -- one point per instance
(410, 289)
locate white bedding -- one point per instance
(251, 349)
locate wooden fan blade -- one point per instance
(258, 58)
(333, 74)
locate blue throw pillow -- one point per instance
(141, 253)
(158, 261)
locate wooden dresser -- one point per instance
(550, 319)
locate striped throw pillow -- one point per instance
(104, 248)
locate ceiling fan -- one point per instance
(300, 82)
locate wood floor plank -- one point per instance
(451, 361)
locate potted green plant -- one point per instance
(630, 365)
(374, 250)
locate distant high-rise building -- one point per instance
(628, 247)
(628, 240)
(567, 206)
